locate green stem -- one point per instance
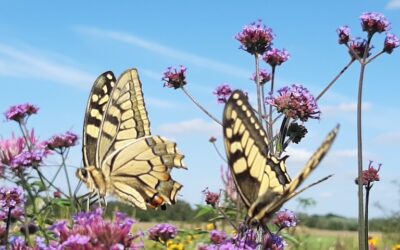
(270, 128)
(68, 182)
(200, 106)
(335, 79)
(259, 89)
(7, 229)
(227, 218)
(218, 152)
(367, 191)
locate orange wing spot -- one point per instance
(156, 201)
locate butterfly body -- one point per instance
(121, 157)
(260, 178)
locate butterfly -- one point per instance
(120, 155)
(260, 178)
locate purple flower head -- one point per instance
(19, 112)
(359, 46)
(95, 232)
(274, 242)
(264, 76)
(26, 159)
(276, 57)
(18, 243)
(372, 22)
(255, 38)
(391, 42)
(162, 232)
(218, 237)
(11, 197)
(344, 34)
(66, 140)
(10, 148)
(371, 174)
(246, 241)
(230, 187)
(211, 197)
(223, 92)
(174, 78)
(295, 102)
(212, 139)
(284, 219)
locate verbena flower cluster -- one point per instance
(284, 219)
(264, 76)
(255, 38)
(174, 78)
(211, 198)
(275, 57)
(20, 112)
(162, 232)
(372, 22)
(223, 92)
(60, 142)
(295, 102)
(11, 197)
(89, 230)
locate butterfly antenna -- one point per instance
(304, 189)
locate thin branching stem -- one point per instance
(200, 106)
(335, 79)
(367, 191)
(220, 210)
(8, 223)
(63, 158)
(375, 56)
(270, 128)
(258, 86)
(219, 152)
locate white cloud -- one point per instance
(393, 4)
(194, 126)
(389, 137)
(346, 107)
(25, 64)
(158, 103)
(166, 51)
(346, 153)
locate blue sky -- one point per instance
(51, 52)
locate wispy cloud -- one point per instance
(194, 126)
(393, 4)
(25, 63)
(166, 51)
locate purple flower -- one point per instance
(344, 34)
(247, 241)
(264, 76)
(10, 148)
(66, 140)
(11, 197)
(19, 112)
(223, 92)
(18, 243)
(211, 198)
(276, 57)
(90, 229)
(372, 22)
(230, 187)
(371, 174)
(174, 78)
(28, 158)
(255, 38)
(284, 219)
(163, 232)
(391, 42)
(359, 46)
(274, 242)
(295, 102)
(218, 237)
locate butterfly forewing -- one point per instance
(246, 145)
(126, 116)
(266, 205)
(96, 107)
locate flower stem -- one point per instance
(270, 128)
(367, 191)
(374, 57)
(227, 218)
(259, 106)
(7, 229)
(68, 182)
(200, 106)
(218, 152)
(334, 79)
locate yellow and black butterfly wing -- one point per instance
(97, 104)
(254, 171)
(266, 205)
(125, 117)
(135, 164)
(140, 171)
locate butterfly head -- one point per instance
(93, 178)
